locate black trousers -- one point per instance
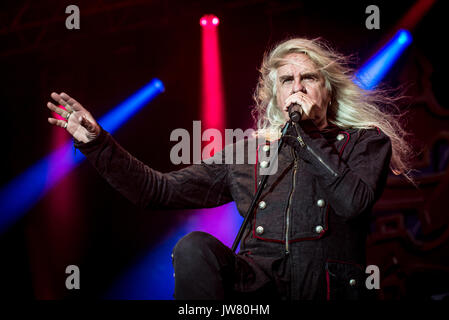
(206, 269)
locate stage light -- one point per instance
(209, 20)
(403, 37)
(415, 14)
(120, 114)
(151, 278)
(222, 222)
(372, 72)
(23, 192)
(212, 100)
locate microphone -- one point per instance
(294, 115)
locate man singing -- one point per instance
(307, 236)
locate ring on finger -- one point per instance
(68, 116)
(65, 125)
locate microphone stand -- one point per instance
(250, 212)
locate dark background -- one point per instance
(123, 44)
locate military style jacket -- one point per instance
(309, 228)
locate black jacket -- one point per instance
(309, 232)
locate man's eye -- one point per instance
(309, 78)
(286, 80)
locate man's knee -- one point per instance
(203, 267)
(196, 244)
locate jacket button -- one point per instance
(320, 203)
(264, 164)
(259, 230)
(352, 282)
(340, 137)
(319, 229)
(266, 148)
(262, 205)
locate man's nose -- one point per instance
(297, 86)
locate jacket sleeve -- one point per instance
(197, 186)
(351, 186)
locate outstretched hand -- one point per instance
(79, 122)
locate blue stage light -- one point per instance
(120, 114)
(24, 191)
(151, 277)
(372, 72)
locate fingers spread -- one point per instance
(59, 99)
(56, 109)
(56, 122)
(63, 113)
(73, 104)
(65, 96)
(61, 102)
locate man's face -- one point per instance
(304, 82)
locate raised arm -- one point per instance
(198, 186)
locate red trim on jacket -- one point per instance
(264, 239)
(318, 236)
(347, 140)
(255, 213)
(255, 169)
(326, 227)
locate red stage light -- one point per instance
(209, 20)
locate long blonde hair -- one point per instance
(350, 107)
